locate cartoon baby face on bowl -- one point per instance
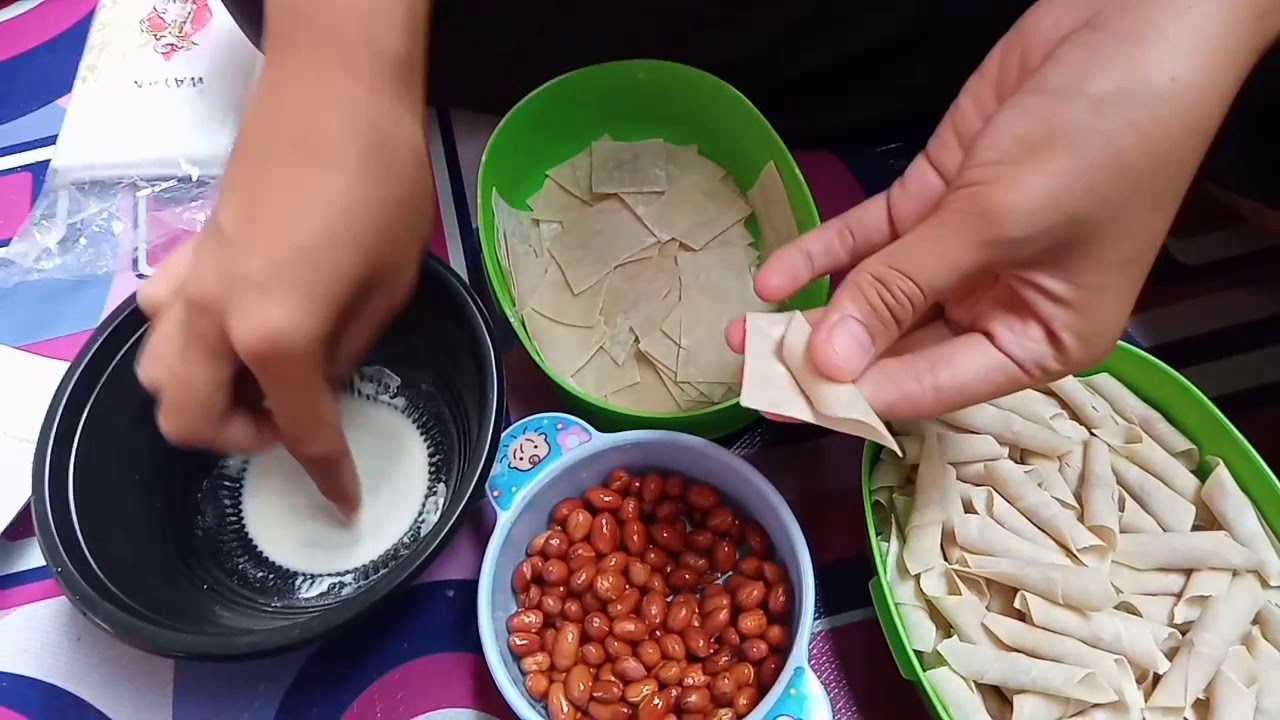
(528, 451)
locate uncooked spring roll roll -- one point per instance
(1044, 470)
(1267, 659)
(987, 502)
(1099, 497)
(1130, 407)
(1269, 622)
(1237, 515)
(1010, 429)
(955, 448)
(1170, 510)
(1092, 410)
(1201, 585)
(937, 501)
(1133, 519)
(1233, 692)
(1032, 405)
(1148, 582)
(1223, 625)
(958, 695)
(913, 607)
(1040, 508)
(1196, 550)
(1071, 466)
(889, 472)
(1125, 635)
(982, 535)
(1071, 585)
(1132, 443)
(1018, 671)
(1041, 706)
(962, 609)
(1154, 608)
(1048, 645)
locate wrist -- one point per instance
(355, 53)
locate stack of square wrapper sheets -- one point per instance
(631, 263)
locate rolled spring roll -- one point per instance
(1099, 497)
(981, 535)
(889, 472)
(1039, 706)
(954, 447)
(1233, 692)
(937, 501)
(1130, 407)
(1040, 508)
(1153, 608)
(1071, 585)
(1071, 466)
(1010, 429)
(1237, 515)
(1267, 660)
(987, 502)
(1092, 410)
(1201, 585)
(1170, 510)
(1018, 671)
(1047, 645)
(958, 695)
(1033, 406)
(1196, 550)
(996, 702)
(1110, 711)
(1044, 471)
(1133, 519)
(1125, 635)
(1269, 622)
(1223, 625)
(1132, 443)
(1148, 582)
(962, 609)
(920, 428)
(913, 607)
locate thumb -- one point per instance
(891, 291)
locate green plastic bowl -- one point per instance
(634, 100)
(1162, 388)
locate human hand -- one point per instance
(1012, 250)
(316, 242)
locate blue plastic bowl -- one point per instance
(547, 458)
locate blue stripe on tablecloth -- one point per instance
(24, 577)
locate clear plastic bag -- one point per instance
(86, 229)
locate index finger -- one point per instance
(305, 409)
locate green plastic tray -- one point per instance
(634, 100)
(1162, 388)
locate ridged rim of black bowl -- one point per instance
(102, 609)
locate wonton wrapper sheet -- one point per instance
(632, 167)
(596, 240)
(1071, 585)
(650, 394)
(1195, 550)
(1236, 515)
(574, 175)
(1009, 429)
(1017, 671)
(1133, 410)
(695, 211)
(1223, 625)
(556, 300)
(601, 376)
(554, 202)
(565, 348)
(1125, 635)
(772, 208)
(769, 385)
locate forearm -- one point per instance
(354, 51)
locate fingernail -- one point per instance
(851, 347)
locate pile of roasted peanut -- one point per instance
(649, 598)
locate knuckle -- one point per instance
(264, 341)
(890, 298)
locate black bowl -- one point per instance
(143, 536)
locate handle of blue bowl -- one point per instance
(803, 698)
(529, 449)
